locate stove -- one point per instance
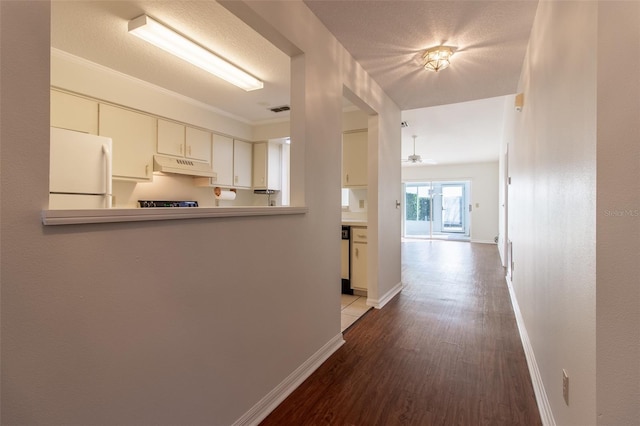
(155, 203)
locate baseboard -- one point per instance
(484, 242)
(266, 405)
(381, 301)
(546, 415)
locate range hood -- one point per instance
(181, 166)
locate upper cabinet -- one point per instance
(198, 144)
(74, 112)
(134, 138)
(222, 161)
(242, 164)
(183, 141)
(354, 159)
(267, 166)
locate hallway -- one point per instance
(445, 351)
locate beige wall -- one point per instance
(573, 160)
(175, 322)
(618, 215)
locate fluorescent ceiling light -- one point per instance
(157, 34)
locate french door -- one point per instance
(436, 210)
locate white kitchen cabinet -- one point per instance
(198, 144)
(267, 165)
(354, 159)
(183, 141)
(134, 138)
(74, 112)
(242, 164)
(171, 138)
(359, 258)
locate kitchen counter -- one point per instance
(354, 222)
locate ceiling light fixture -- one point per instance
(437, 58)
(157, 34)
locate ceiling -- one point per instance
(455, 113)
(97, 31)
(490, 38)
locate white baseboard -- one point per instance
(266, 405)
(484, 242)
(546, 415)
(381, 301)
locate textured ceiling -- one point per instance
(97, 31)
(385, 37)
(388, 37)
(456, 113)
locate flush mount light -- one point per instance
(157, 34)
(437, 58)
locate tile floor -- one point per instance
(353, 307)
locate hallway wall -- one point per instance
(573, 161)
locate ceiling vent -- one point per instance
(280, 108)
(404, 124)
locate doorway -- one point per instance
(437, 210)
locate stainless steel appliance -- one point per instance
(345, 257)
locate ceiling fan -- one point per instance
(415, 158)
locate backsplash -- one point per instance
(178, 187)
(358, 205)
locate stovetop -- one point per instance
(155, 203)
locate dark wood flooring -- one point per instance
(446, 351)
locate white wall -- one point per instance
(484, 191)
(574, 160)
(175, 322)
(618, 215)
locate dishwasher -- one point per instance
(345, 260)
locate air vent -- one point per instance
(280, 108)
(404, 124)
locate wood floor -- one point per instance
(446, 351)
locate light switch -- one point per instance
(361, 204)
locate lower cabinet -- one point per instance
(359, 280)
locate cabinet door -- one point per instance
(359, 266)
(274, 166)
(74, 113)
(260, 165)
(198, 145)
(242, 164)
(134, 140)
(267, 171)
(222, 160)
(354, 159)
(170, 138)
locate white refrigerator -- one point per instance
(79, 170)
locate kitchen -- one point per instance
(172, 141)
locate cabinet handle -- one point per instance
(347, 177)
(146, 170)
(189, 149)
(357, 252)
(180, 148)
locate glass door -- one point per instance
(437, 210)
(453, 202)
(418, 210)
